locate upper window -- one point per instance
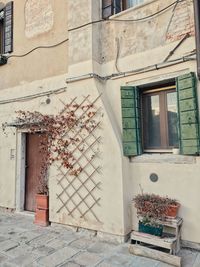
(130, 3)
(159, 112)
(110, 7)
(6, 28)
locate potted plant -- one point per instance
(156, 206)
(42, 200)
(172, 207)
(149, 226)
(42, 197)
(153, 208)
(151, 205)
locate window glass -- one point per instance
(131, 3)
(1, 37)
(152, 119)
(172, 119)
(160, 129)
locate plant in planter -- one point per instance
(172, 207)
(42, 204)
(150, 205)
(149, 226)
(70, 134)
(153, 208)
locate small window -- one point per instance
(159, 118)
(110, 7)
(6, 28)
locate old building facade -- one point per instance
(131, 60)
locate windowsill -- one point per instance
(164, 158)
(130, 9)
(169, 151)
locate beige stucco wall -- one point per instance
(177, 180)
(130, 46)
(46, 26)
(94, 49)
(110, 193)
(178, 176)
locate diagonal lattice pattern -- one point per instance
(80, 185)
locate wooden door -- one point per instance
(33, 166)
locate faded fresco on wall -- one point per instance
(38, 17)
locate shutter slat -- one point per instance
(8, 28)
(131, 121)
(188, 114)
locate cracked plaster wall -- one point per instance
(132, 37)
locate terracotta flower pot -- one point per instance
(42, 202)
(41, 217)
(172, 210)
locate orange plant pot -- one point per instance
(172, 211)
(42, 202)
(41, 217)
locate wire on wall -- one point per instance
(39, 47)
(127, 20)
(33, 96)
(95, 22)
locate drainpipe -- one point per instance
(197, 35)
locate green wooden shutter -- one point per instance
(8, 27)
(188, 114)
(130, 104)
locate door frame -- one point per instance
(20, 169)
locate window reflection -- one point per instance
(172, 119)
(131, 3)
(153, 121)
(160, 129)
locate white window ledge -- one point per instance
(164, 158)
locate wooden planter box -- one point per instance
(149, 229)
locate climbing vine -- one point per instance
(65, 135)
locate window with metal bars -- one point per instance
(111, 7)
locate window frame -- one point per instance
(115, 7)
(164, 129)
(2, 32)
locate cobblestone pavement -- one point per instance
(24, 244)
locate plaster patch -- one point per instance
(38, 17)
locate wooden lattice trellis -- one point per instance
(79, 192)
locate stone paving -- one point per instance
(24, 244)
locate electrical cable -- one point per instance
(103, 78)
(95, 22)
(39, 47)
(172, 16)
(33, 96)
(149, 16)
(126, 20)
